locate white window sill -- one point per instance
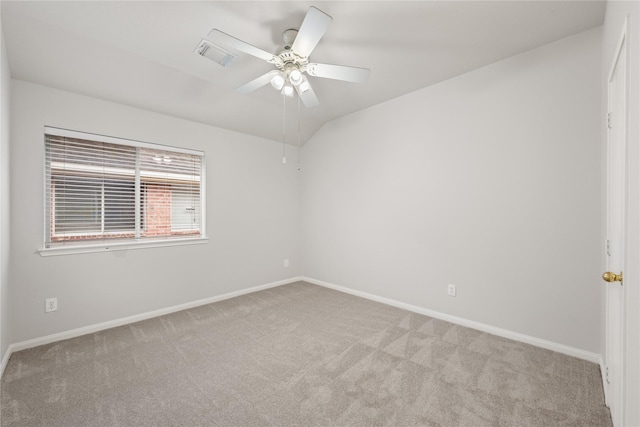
(119, 246)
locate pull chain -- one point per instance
(298, 132)
(284, 126)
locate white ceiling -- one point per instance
(141, 53)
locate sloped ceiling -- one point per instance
(142, 53)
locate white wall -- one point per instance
(252, 219)
(5, 306)
(616, 13)
(489, 181)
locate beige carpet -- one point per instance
(298, 355)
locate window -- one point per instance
(89, 206)
(103, 192)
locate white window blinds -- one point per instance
(101, 188)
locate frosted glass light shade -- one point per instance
(287, 90)
(295, 77)
(277, 81)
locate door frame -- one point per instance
(617, 394)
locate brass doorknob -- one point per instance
(612, 277)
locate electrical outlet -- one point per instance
(286, 263)
(451, 290)
(50, 304)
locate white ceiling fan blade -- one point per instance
(308, 97)
(225, 40)
(339, 72)
(313, 27)
(257, 83)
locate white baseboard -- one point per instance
(516, 336)
(23, 345)
(549, 345)
(5, 359)
(603, 373)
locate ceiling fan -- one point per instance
(291, 60)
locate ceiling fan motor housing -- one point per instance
(288, 61)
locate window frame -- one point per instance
(50, 248)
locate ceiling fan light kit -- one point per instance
(287, 90)
(295, 77)
(291, 59)
(277, 81)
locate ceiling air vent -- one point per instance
(215, 53)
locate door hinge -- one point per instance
(606, 375)
(609, 126)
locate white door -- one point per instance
(616, 231)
